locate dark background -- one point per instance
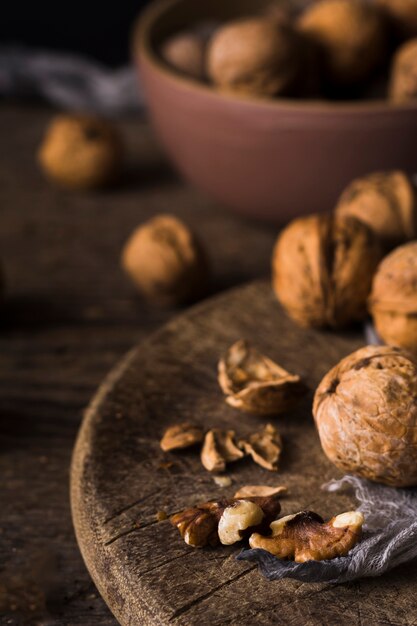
(99, 30)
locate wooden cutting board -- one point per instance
(120, 479)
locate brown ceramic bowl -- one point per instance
(271, 159)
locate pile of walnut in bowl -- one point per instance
(332, 49)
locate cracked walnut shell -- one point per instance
(264, 447)
(81, 151)
(393, 300)
(219, 448)
(306, 537)
(166, 261)
(226, 521)
(254, 56)
(365, 411)
(322, 269)
(181, 436)
(254, 383)
(384, 201)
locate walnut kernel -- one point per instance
(224, 520)
(306, 537)
(250, 491)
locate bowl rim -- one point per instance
(141, 47)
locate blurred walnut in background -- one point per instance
(393, 300)
(386, 202)
(402, 15)
(351, 35)
(254, 56)
(322, 269)
(166, 261)
(81, 152)
(403, 81)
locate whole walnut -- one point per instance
(166, 261)
(322, 269)
(402, 15)
(255, 56)
(81, 151)
(403, 79)
(351, 35)
(365, 410)
(386, 202)
(186, 52)
(393, 300)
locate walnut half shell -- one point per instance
(306, 537)
(254, 383)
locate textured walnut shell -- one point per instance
(351, 35)
(322, 269)
(81, 152)
(255, 56)
(393, 300)
(402, 16)
(306, 537)
(254, 383)
(166, 261)
(403, 80)
(365, 410)
(186, 53)
(384, 201)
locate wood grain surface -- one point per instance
(121, 478)
(68, 317)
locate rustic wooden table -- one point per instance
(69, 315)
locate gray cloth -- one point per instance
(69, 81)
(389, 538)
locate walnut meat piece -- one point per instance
(226, 521)
(306, 537)
(384, 201)
(351, 35)
(255, 56)
(248, 491)
(81, 152)
(322, 269)
(365, 411)
(403, 80)
(254, 383)
(181, 436)
(393, 300)
(186, 52)
(219, 448)
(166, 261)
(264, 447)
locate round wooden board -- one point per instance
(120, 479)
